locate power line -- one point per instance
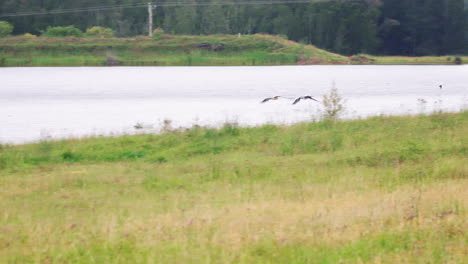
(162, 4)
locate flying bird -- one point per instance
(304, 98)
(271, 98)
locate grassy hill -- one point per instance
(168, 50)
(179, 50)
(380, 190)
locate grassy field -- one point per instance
(177, 50)
(380, 190)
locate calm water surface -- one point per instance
(42, 103)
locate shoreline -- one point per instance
(160, 131)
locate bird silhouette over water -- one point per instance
(272, 98)
(304, 98)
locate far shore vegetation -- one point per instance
(67, 46)
(379, 190)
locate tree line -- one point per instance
(389, 27)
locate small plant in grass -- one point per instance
(231, 128)
(5, 29)
(161, 159)
(422, 105)
(167, 126)
(69, 156)
(333, 104)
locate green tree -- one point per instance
(213, 20)
(184, 21)
(5, 29)
(454, 27)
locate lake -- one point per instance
(44, 103)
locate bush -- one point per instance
(333, 104)
(158, 33)
(29, 35)
(100, 32)
(458, 61)
(69, 31)
(5, 29)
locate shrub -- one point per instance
(5, 29)
(69, 31)
(158, 33)
(29, 35)
(333, 104)
(69, 156)
(458, 60)
(100, 32)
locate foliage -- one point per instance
(427, 27)
(99, 32)
(5, 29)
(29, 35)
(158, 33)
(69, 31)
(390, 27)
(333, 104)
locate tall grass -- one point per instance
(380, 190)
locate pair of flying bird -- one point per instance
(295, 101)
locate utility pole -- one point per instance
(150, 20)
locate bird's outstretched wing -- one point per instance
(297, 100)
(276, 97)
(304, 97)
(310, 97)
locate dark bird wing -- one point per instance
(297, 100)
(310, 97)
(266, 100)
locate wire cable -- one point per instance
(162, 4)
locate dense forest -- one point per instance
(389, 27)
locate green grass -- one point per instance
(379, 190)
(426, 60)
